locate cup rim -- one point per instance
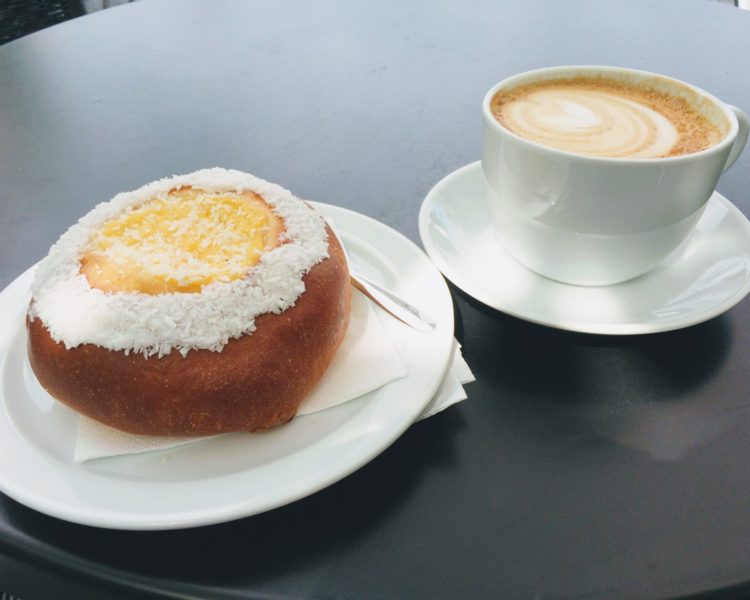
(728, 139)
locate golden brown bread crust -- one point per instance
(256, 382)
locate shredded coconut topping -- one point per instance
(76, 313)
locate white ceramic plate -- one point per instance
(708, 275)
(235, 475)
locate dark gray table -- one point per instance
(581, 466)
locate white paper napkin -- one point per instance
(451, 389)
(366, 343)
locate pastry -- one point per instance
(200, 304)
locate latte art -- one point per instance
(605, 118)
(591, 122)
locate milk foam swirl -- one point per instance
(595, 122)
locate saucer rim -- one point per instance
(612, 328)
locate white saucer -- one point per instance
(706, 277)
(236, 475)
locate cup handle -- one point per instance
(741, 139)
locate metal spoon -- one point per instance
(383, 297)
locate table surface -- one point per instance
(580, 466)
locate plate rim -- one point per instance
(237, 507)
(619, 329)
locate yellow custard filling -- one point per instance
(181, 242)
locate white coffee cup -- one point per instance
(589, 220)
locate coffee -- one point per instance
(599, 116)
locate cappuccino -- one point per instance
(599, 116)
